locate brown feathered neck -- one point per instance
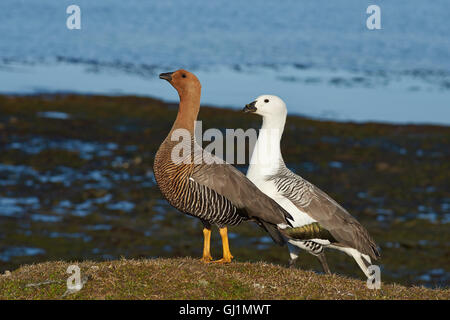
(188, 108)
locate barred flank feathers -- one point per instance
(309, 231)
(189, 196)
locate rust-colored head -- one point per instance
(189, 90)
(183, 81)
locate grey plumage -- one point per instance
(215, 191)
(232, 184)
(345, 229)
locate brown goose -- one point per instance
(202, 185)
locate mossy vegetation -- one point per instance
(186, 278)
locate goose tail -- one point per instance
(274, 233)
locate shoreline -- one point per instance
(225, 108)
(315, 93)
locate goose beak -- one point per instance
(166, 76)
(250, 108)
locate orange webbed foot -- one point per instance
(224, 260)
(206, 259)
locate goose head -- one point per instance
(267, 106)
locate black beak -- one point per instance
(166, 76)
(250, 107)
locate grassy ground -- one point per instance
(186, 278)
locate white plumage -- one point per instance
(308, 205)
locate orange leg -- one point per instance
(227, 257)
(206, 246)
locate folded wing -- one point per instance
(343, 227)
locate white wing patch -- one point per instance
(300, 218)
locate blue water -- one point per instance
(324, 45)
(321, 33)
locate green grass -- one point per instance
(186, 278)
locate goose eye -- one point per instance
(267, 100)
(183, 75)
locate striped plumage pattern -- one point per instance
(178, 186)
(303, 192)
(291, 184)
(309, 231)
(332, 218)
(210, 206)
(313, 247)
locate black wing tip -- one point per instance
(287, 216)
(376, 253)
(274, 233)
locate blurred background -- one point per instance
(82, 113)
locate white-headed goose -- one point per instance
(318, 221)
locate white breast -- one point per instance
(269, 188)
